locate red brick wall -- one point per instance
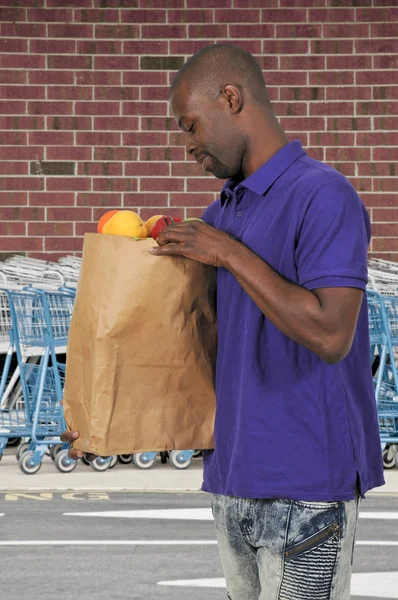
(84, 120)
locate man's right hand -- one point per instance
(71, 436)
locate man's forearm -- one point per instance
(294, 310)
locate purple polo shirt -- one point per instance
(289, 425)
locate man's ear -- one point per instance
(233, 96)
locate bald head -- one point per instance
(212, 67)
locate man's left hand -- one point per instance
(197, 240)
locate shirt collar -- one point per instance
(262, 179)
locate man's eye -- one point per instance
(191, 128)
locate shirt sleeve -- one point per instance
(333, 238)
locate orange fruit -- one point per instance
(104, 219)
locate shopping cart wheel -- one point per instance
(85, 461)
(389, 459)
(197, 453)
(64, 463)
(100, 464)
(125, 459)
(178, 460)
(22, 448)
(55, 449)
(140, 460)
(164, 455)
(13, 442)
(113, 462)
(26, 465)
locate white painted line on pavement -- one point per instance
(378, 515)
(194, 514)
(373, 543)
(109, 543)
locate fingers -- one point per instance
(69, 436)
(169, 249)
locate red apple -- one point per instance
(161, 223)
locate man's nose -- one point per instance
(190, 146)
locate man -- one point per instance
(296, 433)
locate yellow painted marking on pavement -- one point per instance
(83, 496)
(39, 496)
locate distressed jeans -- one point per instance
(286, 549)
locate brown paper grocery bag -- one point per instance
(141, 350)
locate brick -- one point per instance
(108, 169)
(332, 47)
(302, 62)
(290, 78)
(53, 46)
(72, 92)
(152, 138)
(16, 92)
(285, 47)
(23, 30)
(50, 229)
(84, 15)
(347, 169)
(158, 124)
(204, 185)
(51, 199)
(384, 230)
(21, 213)
(343, 30)
(197, 212)
(185, 169)
(209, 3)
(238, 31)
(83, 228)
(51, 138)
(60, 15)
(144, 78)
(385, 214)
(158, 184)
(9, 76)
(18, 122)
(71, 123)
(191, 16)
(303, 137)
(387, 123)
(14, 168)
(21, 243)
(331, 108)
(14, 138)
(186, 47)
(290, 109)
(116, 93)
(356, 61)
(322, 138)
(255, 3)
(376, 169)
(68, 30)
(21, 61)
(16, 45)
(21, 183)
(317, 153)
(155, 93)
(9, 228)
(347, 154)
(268, 62)
(117, 153)
(385, 46)
(385, 61)
(389, 244)
(233, 15)
(21, 152)
(144, 16)
(302, 93)
(177, 139)
(99, 47)
(200, 199)
(114, 184)
(283, 15)
(378, 138)
(69, 153)
(52, 108)
(68, 214)
(68, 3)
(375, 77)
(168, 63)
(109, 199)
(12, 14)
(68, 244)
(377, 14)
(331, 78)
(116, 123)
(97, 108)
(69, 62)
(22, 3)
(377, 108)
(385, 93)
(169, 153)
(143, 199)
(331, 15)
(378, 199)
(117, 31)
(298, 31)
(385, 184)
(361, 184)
(348, 93)
(303, 123)
(389, 29)
(114, 3)
(98, 138)
(145, 47)
(101, 79)
(348, 123)
(52, 77)
(52, 168)
(146, 169)
(115, 63)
